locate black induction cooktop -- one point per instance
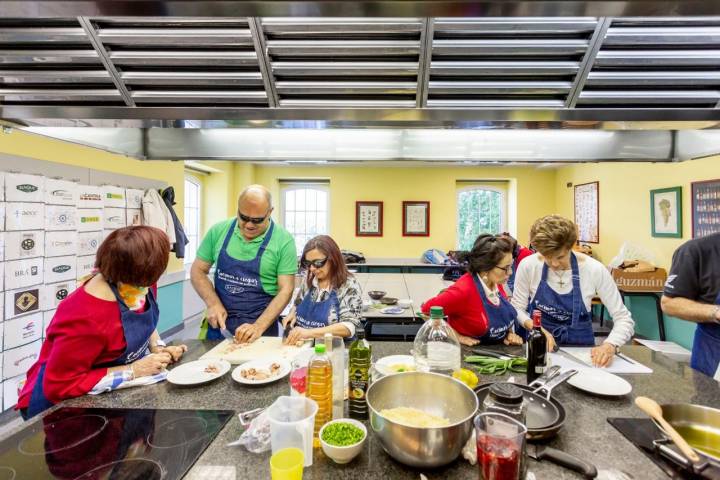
(110, 443)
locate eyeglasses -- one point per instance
(319, 263)
(255, 220)
(507, 269)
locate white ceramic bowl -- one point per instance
(405, 303)
(345, 454)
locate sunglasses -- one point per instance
(255, 220)
(507, 269)
(315, 263)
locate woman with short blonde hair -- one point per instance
(561, 284)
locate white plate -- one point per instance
(392, 310)
(193, 373)
(264, 364)
(383, 365)
(600, 382)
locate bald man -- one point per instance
(255, 265)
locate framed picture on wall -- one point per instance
(587, 212)
(666, 212)
(368, 219)
(705, 208)
(416, 219)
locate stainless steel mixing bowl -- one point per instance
(435, 394)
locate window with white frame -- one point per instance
(305, 210)
(481, 208)
(192, 217)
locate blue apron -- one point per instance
(706, 348)
(564, 315)
(137, 329)
(312, 314)
(500, 317)
(239, 287)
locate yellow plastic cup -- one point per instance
(287, 464)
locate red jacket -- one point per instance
(522, 253)
(463, 306)
(86, 331)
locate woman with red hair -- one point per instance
(106, 326)
(329, 300)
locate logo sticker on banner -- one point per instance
(20, 245)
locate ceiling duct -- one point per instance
(656, 62)
(344, 62)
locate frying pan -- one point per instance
(698, 425)
(545, 415)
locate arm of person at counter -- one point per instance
(158, 346)
(623, 324)
(249, 332)
(216, 313)
(690, 310)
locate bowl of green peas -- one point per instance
(342, 439)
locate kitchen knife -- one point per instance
(558, 457)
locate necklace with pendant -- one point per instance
(560, 277)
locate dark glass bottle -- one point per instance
(359, 368)
(536, 349)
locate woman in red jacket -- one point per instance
(475, 304)
(106, 326)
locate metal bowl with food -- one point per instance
(427, 398)
(388, 300)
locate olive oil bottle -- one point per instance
(360, 359)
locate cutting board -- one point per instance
(263, 347)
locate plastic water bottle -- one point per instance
(320, 388)
(436, 348)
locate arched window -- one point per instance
(480, 209)
(305, 211)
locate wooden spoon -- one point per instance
(654, 410)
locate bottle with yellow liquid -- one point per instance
(320, 388)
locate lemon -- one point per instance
(466, 376)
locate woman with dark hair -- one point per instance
(105, 327)
(475, 305)
(329, 300)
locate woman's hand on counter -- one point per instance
(176, 351)
(151, 364)
(468, 341)
(513, 339)
(602, 355)
(298, 334)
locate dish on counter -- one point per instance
(405, 302)
(395, 364)
(392, 310)
(600, 382)
(388, 300)
(342, 439)
(198, 372)
(261, 371)
(376, 294)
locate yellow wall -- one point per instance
(392, 185)
(625, 201)
(44, 148)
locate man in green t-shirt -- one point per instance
(255, 265)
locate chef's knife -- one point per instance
(558, 457)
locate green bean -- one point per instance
(496, 366)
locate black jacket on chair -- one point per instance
(168, 196)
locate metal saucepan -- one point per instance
(698, 425)
(545, 415)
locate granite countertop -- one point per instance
(586, 432)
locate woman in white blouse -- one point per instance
(562, 283)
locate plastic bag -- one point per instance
(631, 251)
(256, 438)
(435, 257)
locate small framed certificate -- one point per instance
(368, 219)
(416, 219)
